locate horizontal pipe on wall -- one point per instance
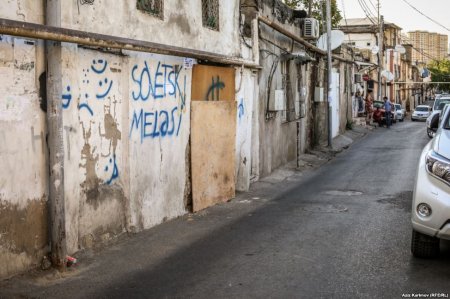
(38, 31)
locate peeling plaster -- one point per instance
(23, 235)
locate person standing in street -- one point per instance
(387, 111)
(369, 108)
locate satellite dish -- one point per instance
(375, 50)
(400, 49)
(424, 73)
(337, 38)
(388, 75)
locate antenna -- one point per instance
(337, 38)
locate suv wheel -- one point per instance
(430, 133)
(424, 246)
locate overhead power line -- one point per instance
(432, 20)
(373, 5)
(366, 12)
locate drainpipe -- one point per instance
(55, 140)
(330, 73)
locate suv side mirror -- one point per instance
(434, 123)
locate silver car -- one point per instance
(431, 198)
(399, 112)
(421, 113)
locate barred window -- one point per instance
(210, 14)
(152, 7)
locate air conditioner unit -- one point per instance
(310, 28)
(358, 78)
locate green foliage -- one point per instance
(440, 72)
(318, 10)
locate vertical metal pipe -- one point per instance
(55, 140)
(380, 56)
(330, 65)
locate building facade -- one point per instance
(428, 46)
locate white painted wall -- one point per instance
(23, 184)
(23, 10)
(335, 104)
(361, 40)
(245, 82)
(182, 23)
(94, 97)
(158, 142)
(127, 128)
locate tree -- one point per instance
(318, 10)
(440, 72)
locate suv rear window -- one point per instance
(422, 109)
(439, 101)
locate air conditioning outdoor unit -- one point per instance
(310, 28)
(358, 78)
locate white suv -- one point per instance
(431, 198)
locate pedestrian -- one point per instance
(360, 102)
(387, 111)
(369, 108)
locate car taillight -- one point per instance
(438, 166)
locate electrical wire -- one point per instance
(373, 5)
(345, 19)
(432, 20)
(366, 13)
(369, 10)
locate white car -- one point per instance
(399, 112)
(421, 113)
(445, 98)
(434, 116)
(431, 197)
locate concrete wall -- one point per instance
(23, 10)
(245, 97)
(181, 24)
(126, 133)
(277, 136)
(126, 120)
(23, 184)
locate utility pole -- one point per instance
(310, 8)
(380, 49)
(55, 140)
(329, 67)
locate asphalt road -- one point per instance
(341, 231)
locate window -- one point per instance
(368, 44)
(210, 14)
(152, 7)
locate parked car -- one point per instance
(399, 112)
(440, 102)
(431, 197)
(381, 117)
(433, 119)
(421, 113)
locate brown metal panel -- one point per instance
(213, 139)
(213, 83)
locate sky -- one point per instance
(398, 12)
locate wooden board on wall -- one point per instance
(213, 139)
(213, 83)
